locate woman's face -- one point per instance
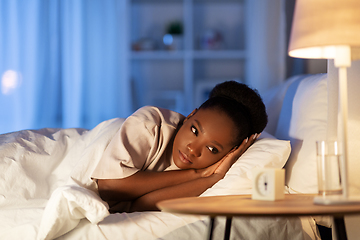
(204, 138)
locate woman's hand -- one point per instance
(226, 162)
(206, 172)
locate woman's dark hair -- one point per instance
(242, 104)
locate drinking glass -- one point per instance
(329, 167)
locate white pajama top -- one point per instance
(143, 143)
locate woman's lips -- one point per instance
(184, 158)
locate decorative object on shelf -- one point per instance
(268, 184)
(329, 29)
(212, 40)
(144, 44)
(173, 39)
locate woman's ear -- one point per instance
(191, 114)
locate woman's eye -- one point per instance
(213, 149)
(194, 130)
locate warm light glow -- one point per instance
(320, 27)
(336, 148)
(327, 52)
(10, 81)
(341, 54)
(323, 148)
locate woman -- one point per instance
(158, 154)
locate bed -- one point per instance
(46, 191)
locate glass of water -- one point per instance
(328, 167)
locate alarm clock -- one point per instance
(268, 184)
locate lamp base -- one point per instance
(336, 200)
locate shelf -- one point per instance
(212, 49)
(179, 55)
(220, 54)
(157, 1)
(154, 55)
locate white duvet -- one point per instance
(46, 193)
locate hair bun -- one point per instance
(247, 97)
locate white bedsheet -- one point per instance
(46, 192)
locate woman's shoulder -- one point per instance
(157, 116)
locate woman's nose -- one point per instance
(194, 149)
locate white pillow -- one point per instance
(308, 124)
(273, 100)
(267, 151)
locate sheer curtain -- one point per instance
(62, 63)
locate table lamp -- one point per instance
(330, 29)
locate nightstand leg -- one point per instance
(228, 228)
(340, 229)
(211, 228)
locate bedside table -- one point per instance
(243, 205)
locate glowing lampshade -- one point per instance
(321, 27)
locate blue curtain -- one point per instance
(62, 63)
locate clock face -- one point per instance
(268, 184)
(263, 184)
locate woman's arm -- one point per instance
(142, 182)
(193, 188)
(147, 188)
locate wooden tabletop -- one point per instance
(243, 205)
